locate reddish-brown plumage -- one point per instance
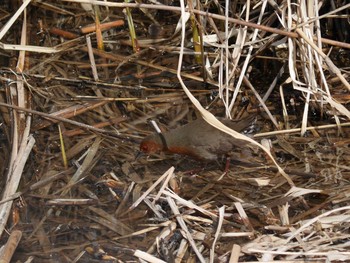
(197, 139)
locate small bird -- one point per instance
(197, 139)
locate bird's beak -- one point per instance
(139, 155)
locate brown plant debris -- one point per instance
(80, 83)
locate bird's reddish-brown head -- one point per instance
(151, 144)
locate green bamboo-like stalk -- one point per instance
(63, 149)
(131, 29)
(196, 40)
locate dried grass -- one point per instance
(79, 85)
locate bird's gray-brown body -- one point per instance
(197, 139)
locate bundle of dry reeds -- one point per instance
(80, 79)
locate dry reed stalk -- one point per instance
(295, 130)
(90, 158)
(92, 59)
(10, 247)
(48, 116)
(217, 233)
(111, 179)
(22, 141)
(166, 176)
(149, 258)
(63, 33)
(103, 26)
(183, 226)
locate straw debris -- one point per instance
(82, 79)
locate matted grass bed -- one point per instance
(80, 82)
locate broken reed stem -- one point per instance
(321, 127)
(51, 117)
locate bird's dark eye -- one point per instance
(144, 147)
